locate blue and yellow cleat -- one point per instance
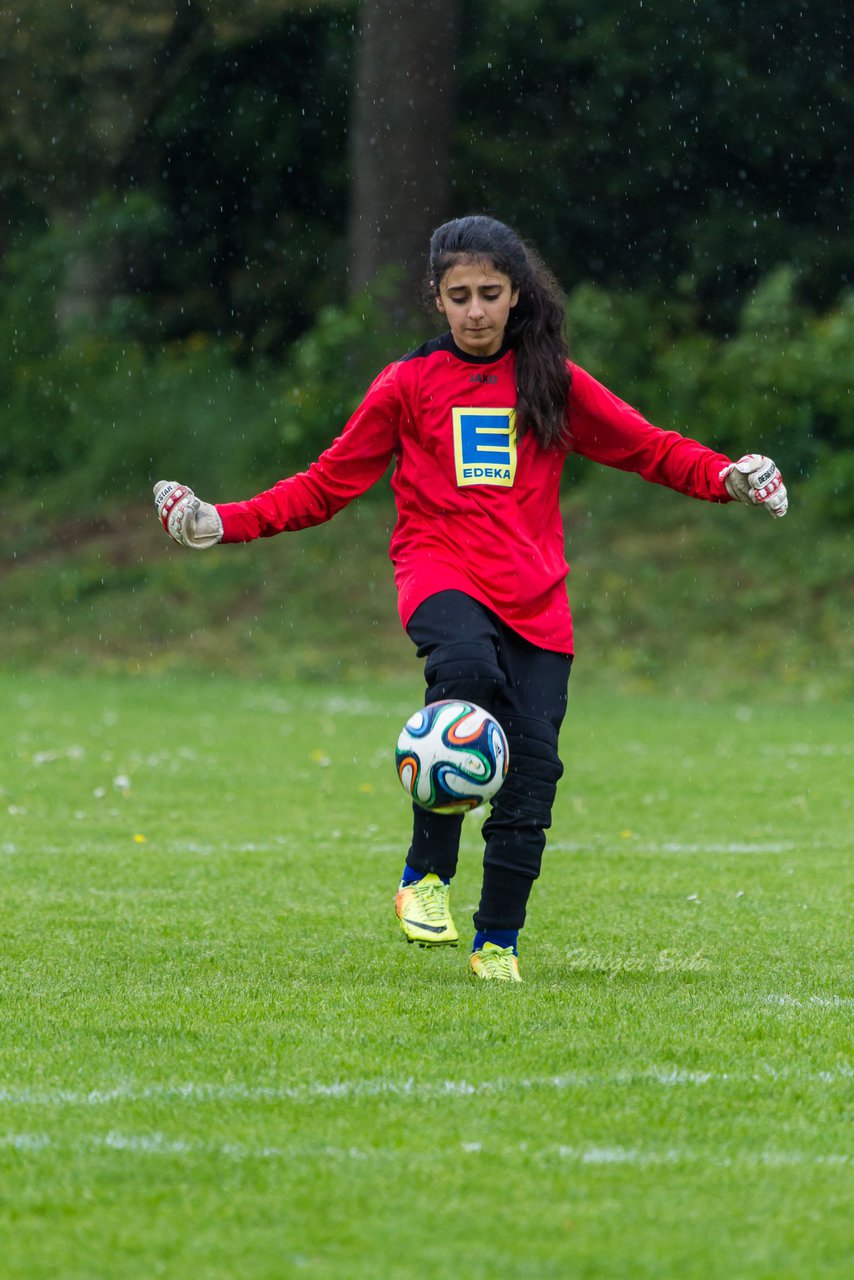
(424, 912)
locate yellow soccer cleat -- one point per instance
(424, 912)
(495, 962)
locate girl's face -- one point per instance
(476, 301)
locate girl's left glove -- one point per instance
(188, 521)
(755, 479)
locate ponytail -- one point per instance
(535, 328)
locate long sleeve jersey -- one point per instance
(477, 507)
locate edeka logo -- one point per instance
(485, 446)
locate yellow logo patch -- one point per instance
(485, 446)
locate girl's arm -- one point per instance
(606, 429)
(351, 464)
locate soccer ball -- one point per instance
(451, 756)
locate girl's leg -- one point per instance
(530, 707)
(458, 637)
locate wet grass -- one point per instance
(219, 1057)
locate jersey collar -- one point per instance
(446, 343)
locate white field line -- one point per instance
(808, 749)
(602, 845)
(676, 846)
(665, 1077)
(807, 1002)
(337, 704)
(158, 1144)
(278, 844)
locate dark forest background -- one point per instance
(215, 215)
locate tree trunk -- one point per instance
(401, 137)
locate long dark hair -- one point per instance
(535, 328)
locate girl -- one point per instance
(479, 423)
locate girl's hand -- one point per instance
(188, 521)
(755, 479)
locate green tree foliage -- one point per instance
(98, 414)
(175, 184)
(89, 414)
(230, 117)
(782, 383)
(643, 144)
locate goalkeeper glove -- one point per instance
(188, 521)
(755, 479)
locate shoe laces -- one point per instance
(498, 962)
(432, 900)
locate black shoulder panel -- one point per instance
(444, 342)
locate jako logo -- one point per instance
(483, 377)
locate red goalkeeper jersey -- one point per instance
(477, 508)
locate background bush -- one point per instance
(93, 412)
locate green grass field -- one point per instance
(220, 1059)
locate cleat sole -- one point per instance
(431, 946)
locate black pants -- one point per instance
(472, 654)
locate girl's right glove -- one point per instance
(188, 521)
(755, 479)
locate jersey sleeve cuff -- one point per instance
(237, 523)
